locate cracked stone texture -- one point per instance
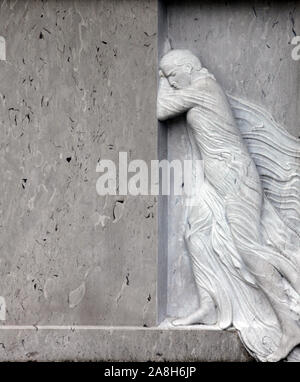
(78, 86)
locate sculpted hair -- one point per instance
(180, 57)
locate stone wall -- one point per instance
(78, 86)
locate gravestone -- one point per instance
(89, 277)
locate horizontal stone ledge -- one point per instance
(104, 343)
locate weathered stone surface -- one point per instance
(78, 86)
(69, 256)
(122, 344)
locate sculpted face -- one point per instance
(178, 67)
(178, 76)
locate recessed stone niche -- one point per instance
(247, 46)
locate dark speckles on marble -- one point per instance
(77, 86)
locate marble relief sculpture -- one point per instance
(243, 234)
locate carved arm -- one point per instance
(171, 102)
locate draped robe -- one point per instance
(243, 234)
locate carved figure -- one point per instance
(243, 234)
